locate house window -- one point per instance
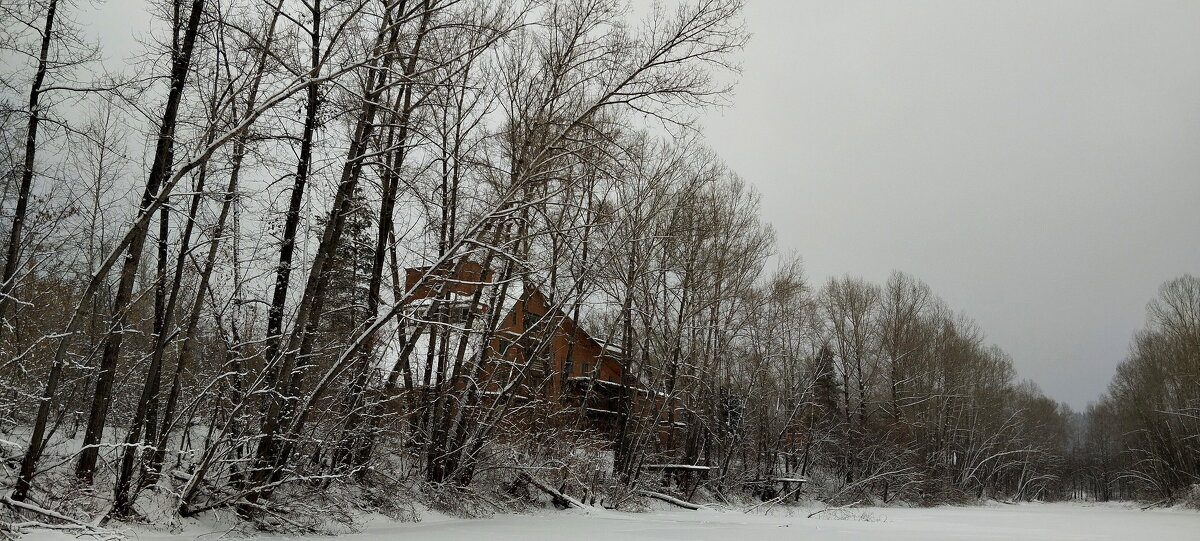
(531, 320)
(458, 314)
(506, 347)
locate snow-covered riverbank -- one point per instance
(1026, 522)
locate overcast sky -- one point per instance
(1036, 163)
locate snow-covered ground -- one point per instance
(1026, 522)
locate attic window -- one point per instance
(505, 346)
(531, 320)
(459, 314)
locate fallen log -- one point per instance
(671, 500)
(84, 528)
(1158, 503)
(560, 499)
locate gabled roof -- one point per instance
(462, 290)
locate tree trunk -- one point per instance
(12, 259)
(270, 455)
(163, 156)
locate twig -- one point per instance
(815, 513)
(776, 500)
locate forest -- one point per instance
(233, 282)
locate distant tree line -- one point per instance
(1142, 438)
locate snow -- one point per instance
(1026, 522)
(1030, 522)
(693, 467)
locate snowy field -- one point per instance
(1027, 522)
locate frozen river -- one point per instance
(1027, 522)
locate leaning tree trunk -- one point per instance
(187, 349)
(272, 453)
(355, 454)
(145, 415)
(163, 154)
(12, 259)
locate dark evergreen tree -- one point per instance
(349, 273)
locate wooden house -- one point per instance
(542, 351)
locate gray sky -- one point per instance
(1037, 163)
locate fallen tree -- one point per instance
(671, 500)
